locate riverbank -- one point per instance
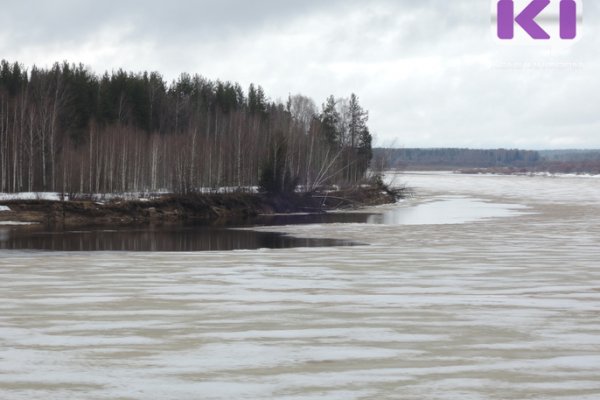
(189, 207)
(529, 172)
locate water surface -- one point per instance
(226, 235)
(502, 308)
(171, 238)
(443, 210)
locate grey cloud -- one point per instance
(29, 20)
(429, 71)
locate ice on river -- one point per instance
(502, 307)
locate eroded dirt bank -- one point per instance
(186, 207)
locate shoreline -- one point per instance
(187, 207)
(504, 171)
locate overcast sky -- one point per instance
(429, 71)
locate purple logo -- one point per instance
(536, 17)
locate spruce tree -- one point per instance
(330, 119)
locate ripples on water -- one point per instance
(497, 308)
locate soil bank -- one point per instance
(189, 207)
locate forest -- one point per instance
(491, 160)
(452, 158)
(66, 129)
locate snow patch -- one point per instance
(4, 208)
(50, 196)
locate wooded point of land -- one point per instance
(66, 129)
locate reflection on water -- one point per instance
(218, 235)
(213, 236)
(452, 210)
(171, 238)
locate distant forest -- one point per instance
(455, 158)
(66, 129)
(570, 155)
(499, 160)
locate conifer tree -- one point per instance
(330, 119)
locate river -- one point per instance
(479, 287)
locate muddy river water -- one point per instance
(480, 287)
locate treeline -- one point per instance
(570, 161)
(453, 158)
(69, 130)
(578, 156)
